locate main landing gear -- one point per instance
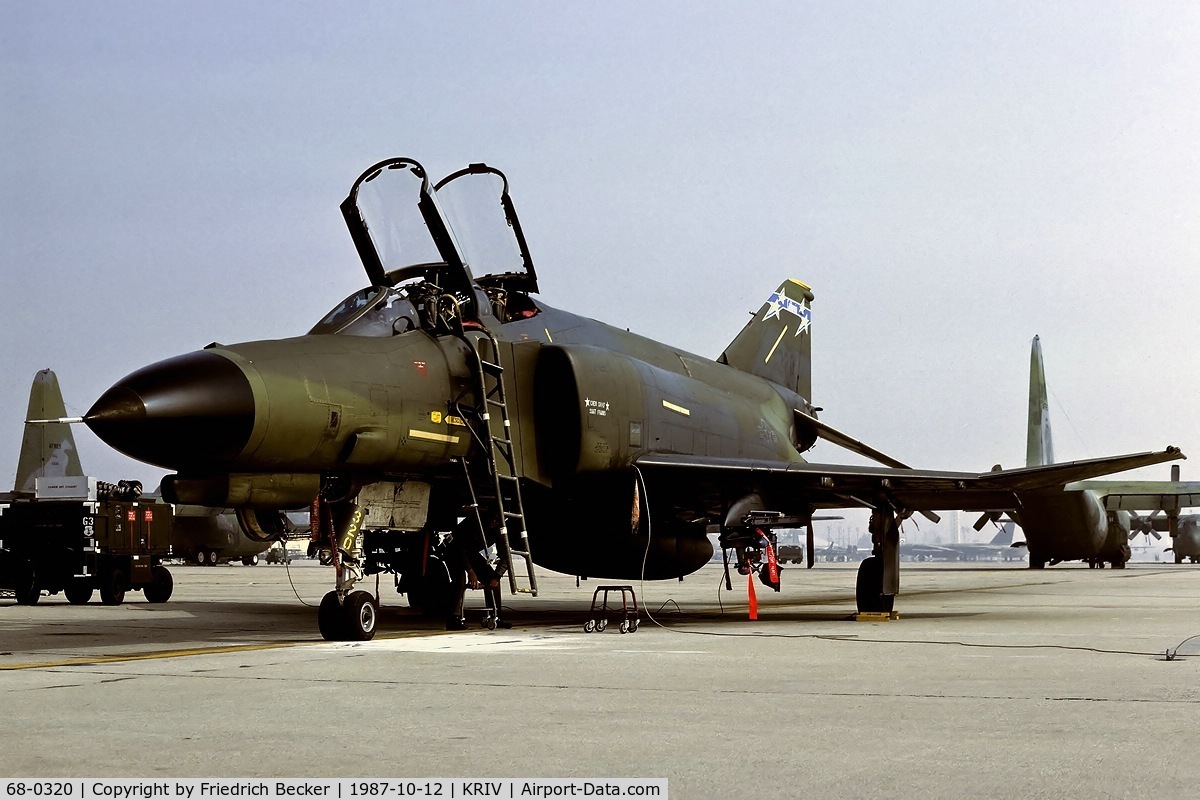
(879, 575)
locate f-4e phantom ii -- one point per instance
(463, 424)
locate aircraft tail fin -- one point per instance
(47, 449)
(1039, 449)
(776, 343)
(1004, 536)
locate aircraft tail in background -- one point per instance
(776, 343)
(1039, 449)
(47, 449)
(1004, 537)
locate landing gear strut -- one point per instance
(344, 614)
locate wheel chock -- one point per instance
(876, 616)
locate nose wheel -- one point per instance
(347, 619)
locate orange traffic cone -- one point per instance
(753, 599)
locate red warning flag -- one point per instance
(772, 566)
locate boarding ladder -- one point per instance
(496, 503)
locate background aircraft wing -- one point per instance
(703, 483)
(1144, 495)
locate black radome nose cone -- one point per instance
(191, 411)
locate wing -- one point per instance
(1144, 495)
(702, 486)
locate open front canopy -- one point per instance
(468, 223)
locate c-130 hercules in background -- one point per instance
(444, 398)
(1086, 520)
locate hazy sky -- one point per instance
(950, 178)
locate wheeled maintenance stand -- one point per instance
(598, 619)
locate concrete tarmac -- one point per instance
(997, 681)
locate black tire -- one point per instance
(112, 589)
(435, 597)
(26, 589)
(78, 593)
(250, 561)
(359, 617)
(1178, 558)
(868, 589)
(160, 590)
(213, 559)
(200, 557)
(331, 619)
(1037, 563)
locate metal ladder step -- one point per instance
(497, 463)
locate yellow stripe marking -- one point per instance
(676, 409)
(84, 661)
(777, 341)
(432, 437)
(549, 338)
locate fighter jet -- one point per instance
(443, 422)
(1084, 520)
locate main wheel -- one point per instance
(212, 558)
(26, 589)
(250, 561)
(160, 590)
(112, 589)
(330, 618)
(78, 592)
(868, 589)
(360, 616)
(436, 589)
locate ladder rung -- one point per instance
(507, 477)
(514, 515)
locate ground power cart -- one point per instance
(79, 535)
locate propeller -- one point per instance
(986, 517)
(989, 516)
(1139, 525)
